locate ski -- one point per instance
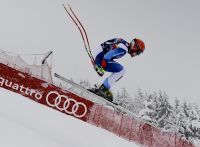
(92, 92)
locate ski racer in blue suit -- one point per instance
(105, 57)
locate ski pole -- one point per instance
(82, 35)
(82, 27)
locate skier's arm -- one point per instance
(109, 42)
(113, 42)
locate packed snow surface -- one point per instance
(26, 123)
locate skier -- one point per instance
(104, 61)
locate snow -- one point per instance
(26, 123)
(196, 142)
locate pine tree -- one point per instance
(124, 99)
(174, 117)
(164, 110)
(148, 112)
(158, 110)
(190, 123)
(138, 102)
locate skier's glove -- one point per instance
(100, 71)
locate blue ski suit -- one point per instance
(105, 55)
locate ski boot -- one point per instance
(104, 92)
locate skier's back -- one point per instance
(104, 61)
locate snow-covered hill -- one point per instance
(26, 123)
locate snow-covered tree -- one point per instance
(124, 99)
(190, 122)
(157, 110)
(148, 112)
(138, 102)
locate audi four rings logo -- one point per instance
(70, 106)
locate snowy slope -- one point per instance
(26, 123)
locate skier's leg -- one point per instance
(113, 78)
(117, 73)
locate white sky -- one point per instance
(170, 29)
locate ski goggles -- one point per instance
(135, 50)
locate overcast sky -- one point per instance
(170, 30)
